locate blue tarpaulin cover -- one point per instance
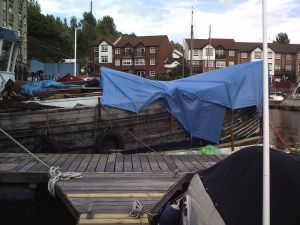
(198, 102)
(38, 86)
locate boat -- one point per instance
(62, 122)
(276, 97)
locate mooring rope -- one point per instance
(54, 172)
(138, 210)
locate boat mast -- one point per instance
(192, 37)
(266, 148)
(75, 51)
(209, 48)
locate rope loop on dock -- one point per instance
(138, 210)
(56, 175)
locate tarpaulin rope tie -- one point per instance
(54, 172)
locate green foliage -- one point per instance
(177, 46)
(282, 38)
(51, 39)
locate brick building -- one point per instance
(283, 59)
(144, 55)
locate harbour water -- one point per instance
(287, 123)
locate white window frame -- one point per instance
(196, 52)
(231, 53)
(220, 52)
(117, 62)
(126, 62)
(270, 55)
(196, 63)
(209, 51)
(117, 51)
(277, 56)
(152, 50)
(220, 64)
(140, 51)
(277, 67)
(270, 66)
(288, 57)
(288, 67)
(210, 63)
(104, 59)
(257, 54)
(139, 62)
(152, 62)
(244, 55)
(96, 49)
(104, 48)
(231, 63)
(152, 73)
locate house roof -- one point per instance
(278, 48)
(215, 42)
(144, 40)
(109, 39)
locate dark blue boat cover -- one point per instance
(197, 102)
(32, 87)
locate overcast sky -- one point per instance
(237, 19)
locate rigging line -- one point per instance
(24, 148)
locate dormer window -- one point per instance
(104, 48)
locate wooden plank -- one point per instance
(51, 161)
(116, 195)
(153, 163)
(93, 163)
(110, 165)
(119, 163)
(162, 164)
(136, 163)
(109, 216)
(113, 221)
(171, 164)
(74, 165)
(127, 163)
(7, 167)
(203, 162)
(27, 166)
(179, 163)
(186, 161)
(84, 163)
(23, 163)
(145, 163)
(102, 163)
(194, 161)
(65, 165)
(37, 166)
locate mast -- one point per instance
(266, 148)
(209, 44)
(75, 52)
(192, 37)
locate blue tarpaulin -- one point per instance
(198, 102)
(38, 86)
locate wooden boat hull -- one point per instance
(101, 128)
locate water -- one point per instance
(287, 123)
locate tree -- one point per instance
(282, 38)
(177, 46)
(106, 27)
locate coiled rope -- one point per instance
(54, 172)
(138, 210)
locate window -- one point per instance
(209, 63)
(220, 52)
(270, 66)
(104, 59)
(126, 62)
(298, 67)
(277, 67)
(10, 12)
(257, 55)
(140, 73)
(270, 55)
(152, 50)
(139, 61)
(96, 60)
(220, 64)
(128, 51)
(196, 52)
(152, 73)
(277, 56)
(104, 48)
(231, 53)
(244, 55)
(117, 62)
(196, 64)
(288, 67)
(209, 52)
(288, 57)
(231, 63)
(96, 49)
(140, 51)
(117, 51)
(152, 62)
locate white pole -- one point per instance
(75, 51)
(266, 148)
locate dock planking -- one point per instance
(110, 183)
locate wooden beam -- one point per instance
(115, 195)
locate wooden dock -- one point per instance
(110, 183)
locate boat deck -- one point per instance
(110, 183)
